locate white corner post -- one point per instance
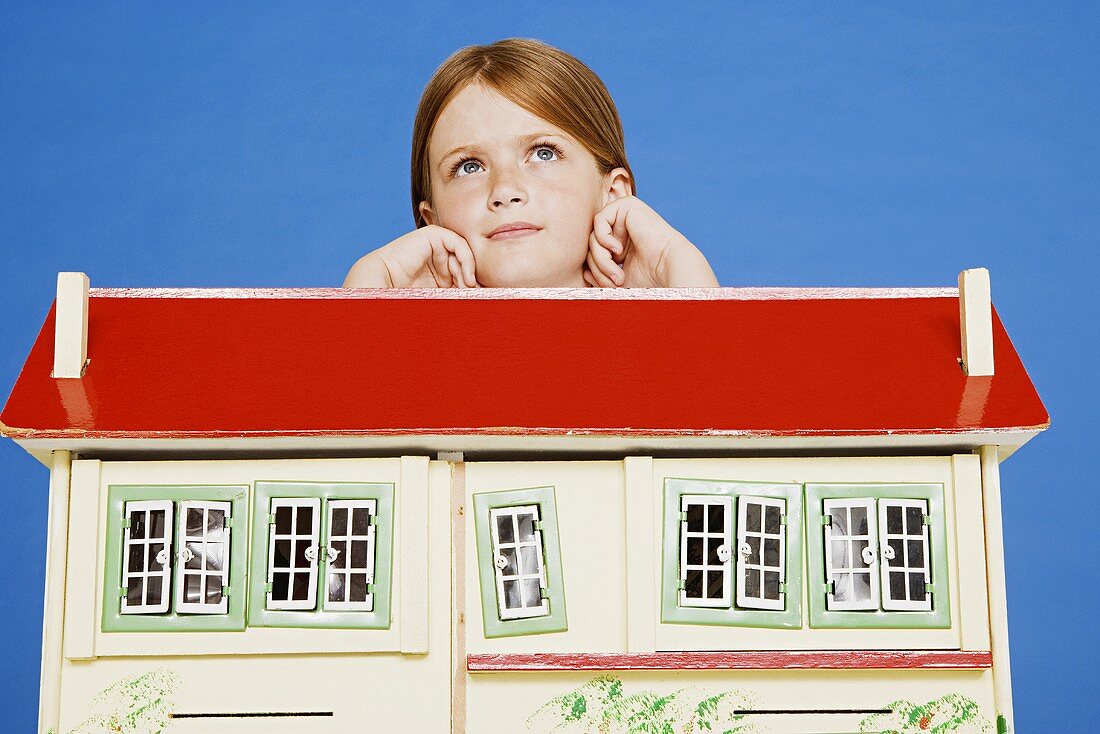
(998, 595)
(70, 345)
(976, 321)
(53, 613)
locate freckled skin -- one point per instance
(506, 178)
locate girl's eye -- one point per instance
(547, 152)
(466, 167)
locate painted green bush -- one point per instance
(602, 707)
(137, 705)
(952, 713)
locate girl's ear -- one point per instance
(616, 185)
(426, 212)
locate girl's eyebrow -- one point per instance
(519, 139)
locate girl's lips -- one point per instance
(513, 231)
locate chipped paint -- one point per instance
(951, 713)
(601, 706)
(137, 705)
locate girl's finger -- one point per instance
(602, 229)
(602, 281)
(455, 270)
(440, 265)
(457, 245)
(588, 278)
(605, 262)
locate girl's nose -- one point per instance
(507, 189)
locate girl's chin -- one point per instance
(533, 277)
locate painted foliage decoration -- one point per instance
(602, 707)
(951, 713)
(137, 705)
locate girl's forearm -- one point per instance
(686, 267)
(369, 272)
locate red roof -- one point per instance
(645, 362)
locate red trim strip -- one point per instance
(754, 660)
(576, 294)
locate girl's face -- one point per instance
(495, 165)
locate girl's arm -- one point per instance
(428, 257)
(632, 246)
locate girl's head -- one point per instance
(518, 132)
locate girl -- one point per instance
(520, 179)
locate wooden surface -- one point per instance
(712, 362)
(762, 660)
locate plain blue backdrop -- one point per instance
(192, 144)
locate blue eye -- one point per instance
(553, 151)
(464, 167)
(549, 154)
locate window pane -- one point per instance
(154, 551)
(840, 554)
(526, 524)
(752, 518)
(154, 590)
(304, 519)
(771, 585)
(336, 587)
(360, 524)
(512, 598)
(840, 520)
(359, 554)
(695, 551)
(898, 546)
(196, 554)
(213, 589)
(714, 585)
(301, 586)
(136, 558)
(914, 520)
(715, 522)
(916, 587)
(754, 550)
(282, 520)
(339, 521)
(893, 520)
(772, 519)
(156, 522)
(133, 591)
(529, 559)
(861, 586)
(194, 522)
(752, 582)
(897, 585)
(280, 587)
(693, 584)
(504, 529)
(300, 548)
(358, 590)
(771, 552)
(531, 594)
(192, 588)
(137, 524)
(282, 554)
(695, 518)
(214, 557)
(511, 565)
(916, 553)
(859, 520)
(712, 551)
(215, 524)
(858, 546)
(842, 586)
(341, 560)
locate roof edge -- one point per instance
(580, 294)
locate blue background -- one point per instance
(193, 144)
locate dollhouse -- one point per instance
(736, 510)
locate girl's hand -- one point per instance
(427, 257)
(632, 246)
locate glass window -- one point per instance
(851, 554)
(903, 537)
(146, 557)
(761, 552)
(349, 555)
(518, 560)
(705, 535)
(202, 578)
(292, 553)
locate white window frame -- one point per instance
(743, 552)
(831, 534)
(165, 573)
(310, 602)
(707, 500)
(184, 555)
(525, 612)
(331, 555)
(889, 603)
